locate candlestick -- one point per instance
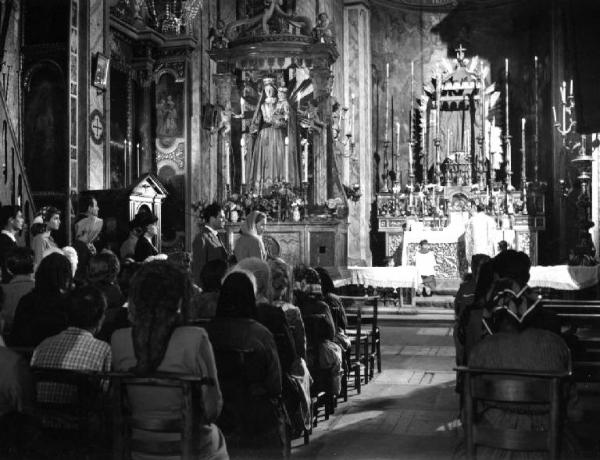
(524, 171)
(536, 151)
(564, 105)
(387, 101)
(507, 135)
(286, 159)
(305, 160)
(398, 149)
(353, 121)
(137, 159)
(226, 161)
(243, 159)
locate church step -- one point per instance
(436, 300)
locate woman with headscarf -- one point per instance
(42, 312)
(47, 221)
(250, 242)
(86, 232)
(252, 418)
(158, 343)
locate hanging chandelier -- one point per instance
(173, 17)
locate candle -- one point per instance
(387, 102)
(243, 159)
(398, 149)
(353, 121)
(137, 158)
(571, 88)
(554, 114)
(563, 92)
(524, 172)
(305, 161)
(506, 67)
(286, 159)
(226, 161)
(536, 137)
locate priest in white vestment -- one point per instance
(480, 234)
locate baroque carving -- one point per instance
(175, 156)
(450, 258)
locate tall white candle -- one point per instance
(353, 121)
(571, 88)
(305, 161)
(226, 161)
(243, 159)
(286, 159)
(397, 149)
(564, 105)
(524, 172)
(387, 101)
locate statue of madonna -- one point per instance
(274, 156)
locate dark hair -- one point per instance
(8, 212)
(502, 245)
(485, 278)
(512, 264)
(181, 259)
(237, 299)
(88, 201)
(154, 296)
(85, 307)
(422, 242)
(212, 210)
(19, 261)
(54, 274)
(310, 275)
(326, 282)
(128, 269)
(281, 279)
(477, 261)
(48, 212)
(480, 207)
(104, 267)
(211, 275)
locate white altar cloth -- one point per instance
(564, 277)
(383, 277)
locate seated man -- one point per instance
(75, 348)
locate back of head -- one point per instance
(262, 273)
(281, 279)
(19, 261)
(476, 262)
(6, 213)
(307, 280)
(86, 307)
(54, 275)
(211, 275)
(512, 264)
(326, 282)
(157, 292)
(237, 298)
(104, 267)
(212, 210)
(182, 259)
(480, 207)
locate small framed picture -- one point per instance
(101, 71)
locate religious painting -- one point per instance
(101, 71)
(169, 109)
(46, 127)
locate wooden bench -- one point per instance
(581, 319)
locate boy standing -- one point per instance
(425, 263)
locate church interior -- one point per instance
(420, 178)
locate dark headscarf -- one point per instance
(237, 298)
(157, 291)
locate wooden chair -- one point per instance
(69, 422)
(183, 423)
(234, 365)
(543, 389)
(362, 312)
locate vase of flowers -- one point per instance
(295, 204)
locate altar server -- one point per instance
(480, 234)
(425, 263)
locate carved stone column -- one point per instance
(357, 81)
(224, 83)
(320, 78)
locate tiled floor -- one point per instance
(409, 411)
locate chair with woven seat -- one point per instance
(65, 402)
(128, 426)
(362, 312)
(524, 391)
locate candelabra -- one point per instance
(575, 144)
(386, 164)
(305, 198)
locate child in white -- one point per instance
(425, 264)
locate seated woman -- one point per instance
(157, 343)
(270, 316)
(250, 243)
(336, 307)
(42, 312)
(252, 418)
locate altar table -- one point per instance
(564, 277)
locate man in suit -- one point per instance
(144, 247)
(207, 246)
(11, 221)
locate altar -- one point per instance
(459, 159)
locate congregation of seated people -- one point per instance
(268, 337)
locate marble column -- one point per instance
(224, 83)
(357, 81)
